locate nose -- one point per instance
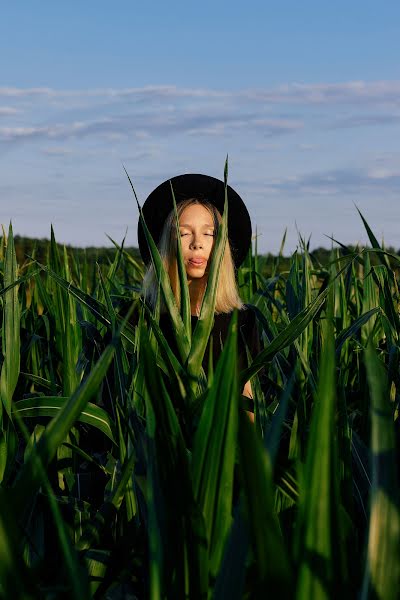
(196, 243)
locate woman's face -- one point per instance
(196, 225)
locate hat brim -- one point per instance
(203, 187)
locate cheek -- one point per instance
(185, 245)
(210, 246)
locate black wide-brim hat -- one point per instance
(202, 187)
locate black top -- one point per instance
(247, 335)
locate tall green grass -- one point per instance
(124, 471)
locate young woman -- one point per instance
(200, 202)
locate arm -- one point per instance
(247, 391)
(249, 338)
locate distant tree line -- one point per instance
(27, 247)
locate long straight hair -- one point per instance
(227, 291)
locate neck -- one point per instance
(196, 292)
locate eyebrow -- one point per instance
(206, 225)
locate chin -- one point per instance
(195, 273)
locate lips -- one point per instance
(197, 262)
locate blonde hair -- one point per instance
(227, 291)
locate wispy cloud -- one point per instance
(56, 151)
(288, 143)
(7, 111)
(339, 181)
(352, 92)
(145, 124)
(382, 92)
(50, 114)
(368, 120)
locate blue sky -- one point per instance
(304, 97)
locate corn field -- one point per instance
(127, 473)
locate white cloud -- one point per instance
(350, 92)
(159, 111)
(350, 181)
(165, 91)
(56, 151)
(367, 120)
(291, 143)
(384, 174)
(7, 111)
(152, 123)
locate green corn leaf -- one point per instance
(182, 340)
(91, 534)
(290, 333)
(49, 406)
(183, 285)
(8, 450)
(40, 381)
(274, 427)
(97, 309)
(29, 476)
(273, 574)
(71, 337)
(286, 337)
(388, 297)
(172, 365)
(183, 560)
(76, 576)
(374, 242)
(11, 328)
(370, 298)
(205, 322)
(214, 450)
(355, 327)
(138, 267)
(382, 567)
(232, 573)
(320, 547)
(15, 579)
(112, 271)
(19, 281)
